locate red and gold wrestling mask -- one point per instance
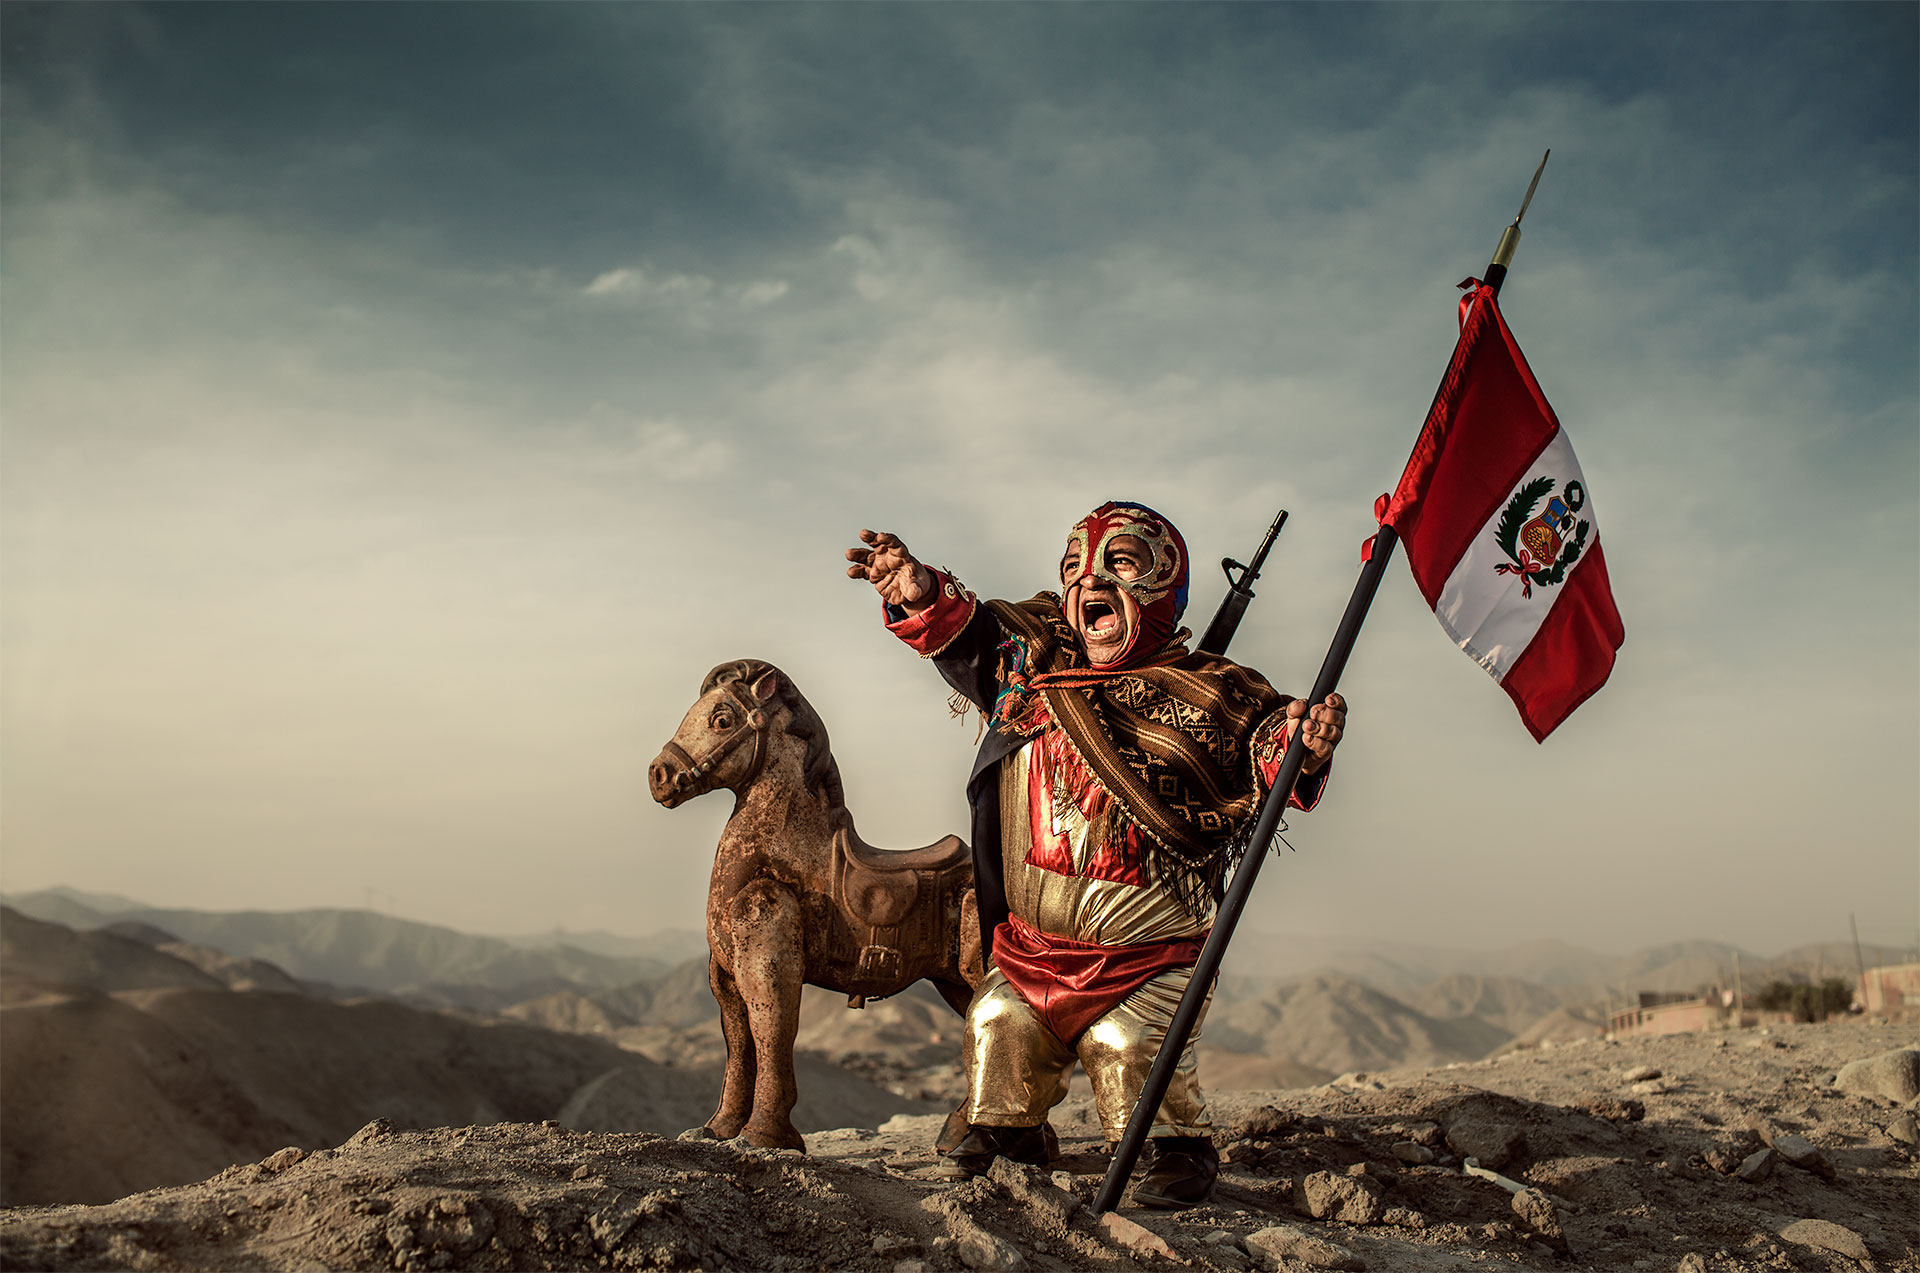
(1124, 583)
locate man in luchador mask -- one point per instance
(1118, 781)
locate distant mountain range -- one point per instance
(363, 950)
(360, 949)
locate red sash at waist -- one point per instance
(1072, 984)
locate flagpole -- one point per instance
(1127, 1151)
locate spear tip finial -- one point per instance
(1532, 185)
(1510, 237)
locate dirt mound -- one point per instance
(1615, 1168)
(541, 1197)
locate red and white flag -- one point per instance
(1500, 532)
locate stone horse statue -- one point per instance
(797, 897)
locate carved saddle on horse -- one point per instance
(898, 903)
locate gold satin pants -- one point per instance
(1017, 1068)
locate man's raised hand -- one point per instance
(885, 563)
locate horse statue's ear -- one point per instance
(767, 686)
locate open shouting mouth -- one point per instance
(1100, 617)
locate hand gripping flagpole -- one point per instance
(1207, 967)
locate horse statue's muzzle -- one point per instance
(668, 780)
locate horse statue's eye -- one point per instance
(723, 720)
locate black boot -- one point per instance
(973, 1155)
(1180, 1173)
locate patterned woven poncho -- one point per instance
(1172, 740)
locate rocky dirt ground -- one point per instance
(1741, 1151)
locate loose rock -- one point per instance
(1724, 1161)
(1757, 1166)
(887, 1242)
(459, 1223)
(1640, 1074)
(1034, 1188)
(1894, 1075)
(1537, 1213)
(1276, 1245)
(378, 1129)
(1828, 1236)
(1327, 1196)
(1265, 1121)
(1614, 1109)
(1905, 1129)
(1494, 1144)
(1414, 1154)
(283, 1159)
(1693, 1261)
(1134, 1237)
(1803, 1154)
(975, 1247)
(1428, 1134)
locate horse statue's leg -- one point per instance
(736, 1093)
(769, 962)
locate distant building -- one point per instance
(1892, 990)
(1668, 1013)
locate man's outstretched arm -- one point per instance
(933, 614)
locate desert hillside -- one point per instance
(123, 1067)
(1735, 1152)
(36, 956)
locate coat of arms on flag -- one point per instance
(1540, 549)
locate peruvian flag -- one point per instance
(1500, 532)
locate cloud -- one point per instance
(695, 298)
(634, 282)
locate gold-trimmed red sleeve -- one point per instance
(930, 631)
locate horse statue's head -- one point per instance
(749, 723)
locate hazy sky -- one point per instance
(404, 406)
